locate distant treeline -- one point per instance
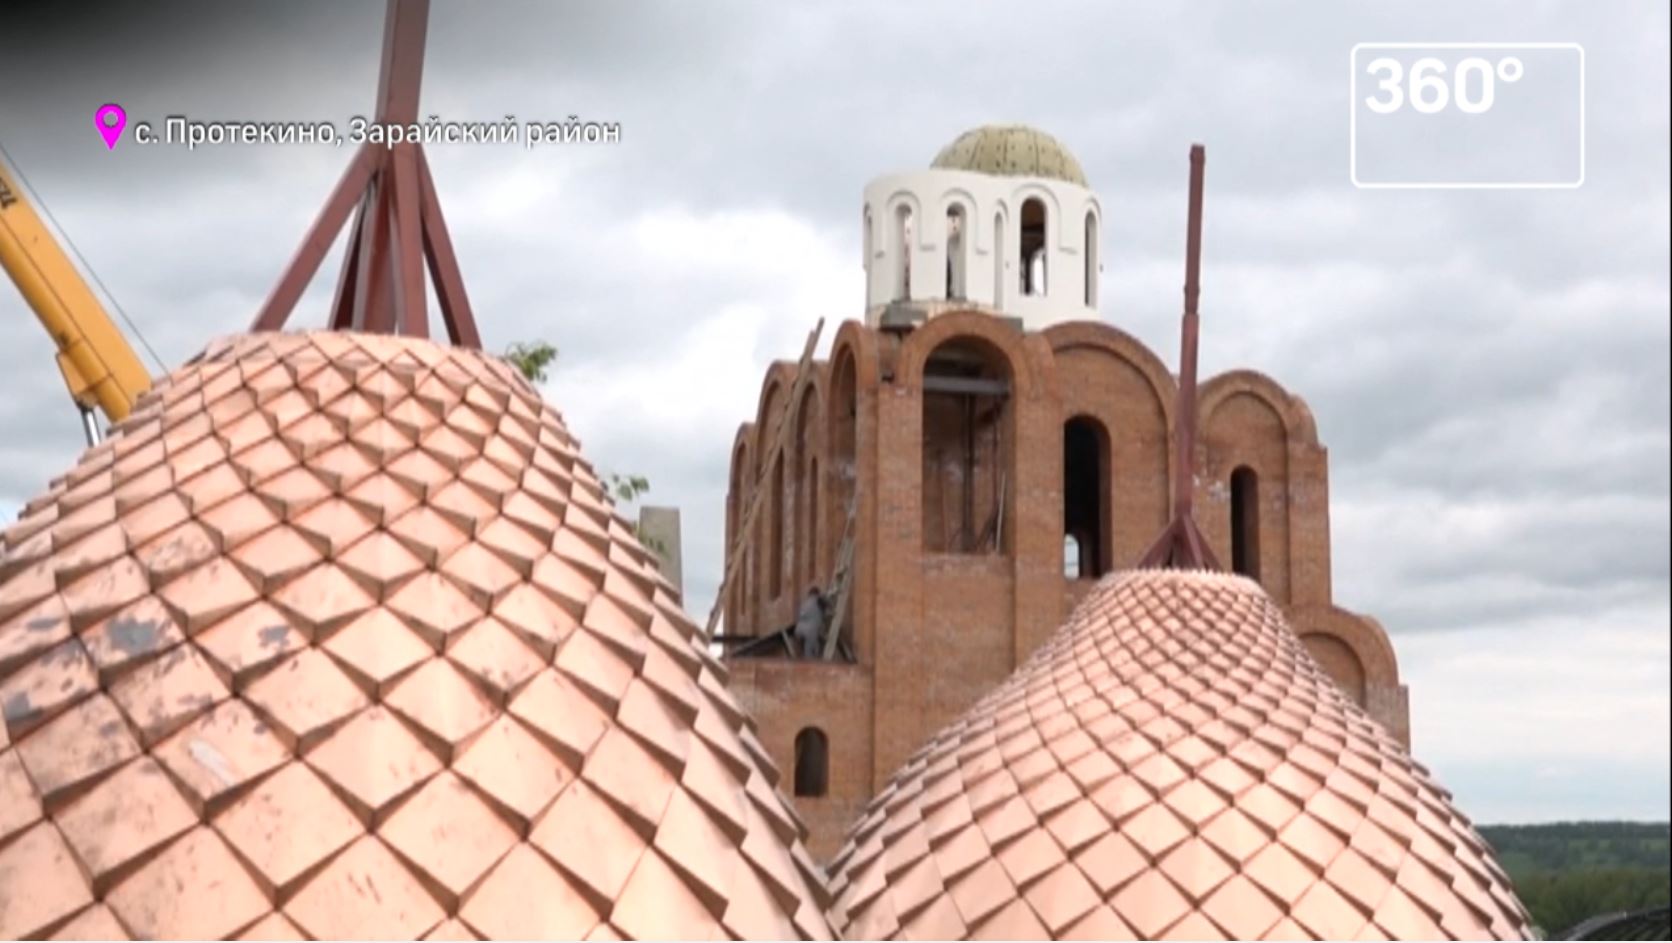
(1568, 872)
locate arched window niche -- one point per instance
(1245, 522)
(967, 448)
(812, 763)
(1085, 493)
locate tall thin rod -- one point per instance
(1181, 544)
(1184, 469)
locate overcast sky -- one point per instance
(1489, 369)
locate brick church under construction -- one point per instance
(971, 458)
(338, 635)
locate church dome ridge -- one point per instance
(1171, 764)
(344, 632)
(1011, 150)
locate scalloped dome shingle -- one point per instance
(1171, 764)
(338, 636)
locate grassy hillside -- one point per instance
(1570, 871)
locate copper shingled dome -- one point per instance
(1171, 764)
(337, 636)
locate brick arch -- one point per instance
(1249, 421)
(1096, 335)
(853, 356)
(854, 352)
(771, 535)
(780, 376)
(742, 478)
(1102, 372)
(1295, 414)
(1007, 342)
(805, 458)
(740, 484)
(845, 463)
(1364, 635)
(1330, 634)
(857, 342)
(1340, 661)
(960, 491)
(855, 339)
(809, 409)
(807, 417)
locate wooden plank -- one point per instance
(844, 580)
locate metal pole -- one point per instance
(1181, 543)
(90, 425)
(1184, 482)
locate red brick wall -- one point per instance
(785, 697)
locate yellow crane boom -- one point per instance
(100, 368)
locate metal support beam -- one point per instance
(410, 304)
(373, 288)
(398, 225)
(324, 231)
(404, 27)
(444, 265)
(966, 386)
(342, 307)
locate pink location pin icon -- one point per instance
(110, 120)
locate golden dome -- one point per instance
(337, 635)
(1011, 150)
(1171, 764)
